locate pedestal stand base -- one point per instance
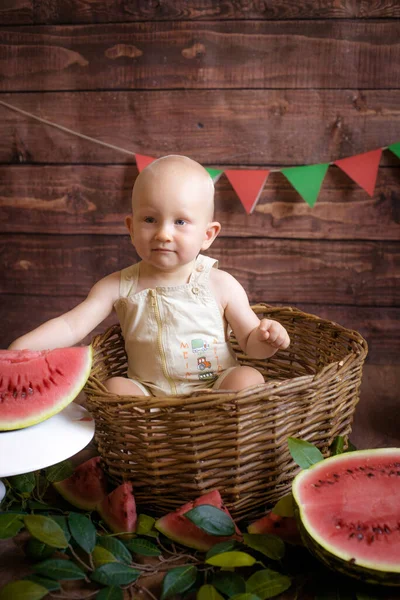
(2, 490)
(45, 444)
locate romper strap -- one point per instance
(128, 280)
(202, 268)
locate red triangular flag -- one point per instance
(362, 168)
(142, 161)
(248, 185)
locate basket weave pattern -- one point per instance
(175, 448)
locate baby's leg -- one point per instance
(239, 378)
(122, 386)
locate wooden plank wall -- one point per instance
(231, 84)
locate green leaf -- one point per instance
(208, 592)
(229, 583)
(24, 483)
(23, 590)
(232, 559)
(337, 446)
(83, 531)
(211, 520)
(143, 547)
(178, 580)
(60, 471)
(350, 447)
(46, 530)
(221, 547)
(144, 524)
(50, 584)
(115, 573)
(101, 556)
(34, 505)
(59, 569)
(269, 545)
(62, 522)
(38, 550)
(116, 547)
(267, 584)
(110, 593)
(245, 596)
(304, 453)
(284, 507)
(10, 525)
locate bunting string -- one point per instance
(248, 184)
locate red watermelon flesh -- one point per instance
(179, 529)
(86, 487)
(118, 509)
(35, 385)
(283, 527)
(350, 506)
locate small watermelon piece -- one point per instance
(283, 527)
(35, 385)
(180, 529)
(86, 487)
(348, 507)
(118, 510)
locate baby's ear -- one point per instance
(128, 223)
(212, 231)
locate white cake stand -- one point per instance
(44, 444)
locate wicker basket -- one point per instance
(233, 441)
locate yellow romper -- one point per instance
(176, 339)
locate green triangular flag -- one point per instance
(215, 174)
(395, 148)
(307, 180)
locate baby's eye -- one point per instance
(180, 222)
(149, 220)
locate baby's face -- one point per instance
(171, 215)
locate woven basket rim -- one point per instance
(95, 388)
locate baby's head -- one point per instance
(173, 207)
(173, 174)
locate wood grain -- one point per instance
(16, 12)
(277, 128)
(103, 11)
(95, 199)
(225, 54)
(288, 271)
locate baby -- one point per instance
(175, 310)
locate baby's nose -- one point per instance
(164, 233)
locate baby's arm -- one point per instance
(258, 339)
(70, 328)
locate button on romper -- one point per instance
(176, 339)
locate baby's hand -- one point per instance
(274, 333)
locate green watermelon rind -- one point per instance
(384, 574)
(58, 407)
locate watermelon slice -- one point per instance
(86, 487)
(118, 510)
(283, 527)
(179, 529)
(35, 385)
(349, 513)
